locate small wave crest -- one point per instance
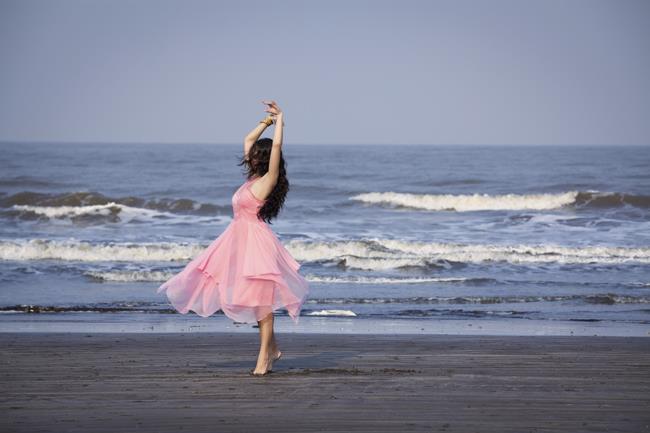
(345, 313)
(133, 307)
(391, 280)
(129, 276)
(605, 298)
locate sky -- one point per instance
(343, 72)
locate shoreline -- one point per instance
(163, 323)
(163, 382)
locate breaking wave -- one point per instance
(95, 207)
(486, 202)
(370, 254)
(378, 254)
(82, 251)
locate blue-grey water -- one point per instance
(398, 235)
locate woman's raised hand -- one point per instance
(272, 108)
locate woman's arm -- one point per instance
(274, 159)
(263, 187)
(253, 136)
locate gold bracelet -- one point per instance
(268, 120)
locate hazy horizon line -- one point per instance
(178, 143)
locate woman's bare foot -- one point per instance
(264, 364)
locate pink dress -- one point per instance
(246, 272)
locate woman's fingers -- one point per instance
(270, 103)
(272, 106)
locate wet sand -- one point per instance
(76, 382)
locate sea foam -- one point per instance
(82, 251)
(467, 203)
(111, 212)
(487, 202)
(372, 254)
(378, 254)
(346, 313)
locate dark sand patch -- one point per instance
(344, 383)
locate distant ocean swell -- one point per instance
(485, 202)
(371, 254)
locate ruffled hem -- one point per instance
(206, 299)
(245, 287)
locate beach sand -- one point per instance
(78, 382)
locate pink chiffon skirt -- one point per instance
(246, 272)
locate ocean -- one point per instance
(392, 238)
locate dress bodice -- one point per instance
(244, 204)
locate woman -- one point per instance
(246, 272)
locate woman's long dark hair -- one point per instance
(257, 163)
